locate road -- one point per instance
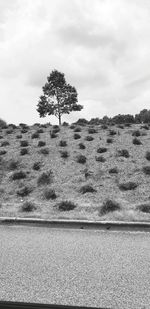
(75, 267)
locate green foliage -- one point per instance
(49, 194)
(28, 206)
(45, 178)
(5, 143)
(18, 175)
(112, 132)
(41, 144)
(123, 153)
(36, 166)
(66, 206)
(130, 185)
(89, 138)
(24, 143)
(146, 170)
(113, 170)
(136, 133)
(147, 156)
(109, 206)
(62, 143)
(24, 151)
(109, 140)
(92, 131)
(101, 149)
(100, 159)
(87, 188)
(19, 136)
(81, 159)
(2, 152)
(13, 164)
(77, 136)
(144, 208)
(44, 151)
(35, 135)
(58, 97)
(136, 141)
(81, 146)
(78, 129)
(64, 154)
(26, 190)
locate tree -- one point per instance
(59, 97)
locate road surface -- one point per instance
(75, 267)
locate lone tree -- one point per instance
(59, 97)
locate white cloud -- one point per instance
(102, 46)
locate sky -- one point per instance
(102, 47)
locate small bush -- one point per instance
(53, 135)
(76, 136)
(4, 143)
(92, 131)
(101, 150)
(146, 170)
(13, 164)
(2, 152)
(109, 140)
(24, 191)
(62, 143)
(49, 194)
(113, 170)
(28, 206)
(100, 159)
(72, 126)
(64, 154)
(24, 151)
(45, 178)
(144, 208)
(136, 133)
(81, 159)
(66, 206)
(81, 146)
(9, 131)
(23, 131)
(41, 144)
(146, 127)
(128, 186)
(24, 143)
(56, 129)
(78, 129)
(112, 132)
(86, 189)
(120, 126)
(23, 125)
(89, 138)
(65, 124)
(136, 141)
(35, 135)
(109, 206)
(44, 151)
(36, 166)
(104, 127)
(123, 153)
(147, 156)
(18, 136)
(1, 136)
(18, 175)
(40, 131)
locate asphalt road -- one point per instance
(75, 267)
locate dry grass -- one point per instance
(68, 176)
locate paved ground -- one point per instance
(75, 267)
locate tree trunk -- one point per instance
(59, 120)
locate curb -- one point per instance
(79, 224)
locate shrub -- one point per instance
(104, 127)
(101, 149)
(4, 143)
(78, 129)
(24, 151)
(123, 153)
(24, 143)
(92, 131)
(109, 206)
(53, 135)
(23, 131)
(45, 178)
(87, 188)
(41, 144)
(9, 131)
(77, 136)
(64, 154)
(136, 133)
(1, 136)
(63, 143)
(120, 126)
(28, 206)
(44, 151)
(146, 170)
(109, 140)
(89, 138)
(49, 194)
(66, 206)
(72, 126)
(35, 135)
(24, 191)
(13, 165)
(144, 208)
(147, 156)
(128, 186)
(56, 129)
(81, 159)
(81, 146)
(18, 175)
(112, 132)
(146, 127)
(136, 141)
(2, 152)
(100, 159)
(36, 166)
(40, 131)
(65, 124)
(113, 170)
(23, 125)
(18, 136)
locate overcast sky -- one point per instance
(102, 47)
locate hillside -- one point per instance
(39, 170)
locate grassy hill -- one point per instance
(79, 172)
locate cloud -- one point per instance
(102, 46)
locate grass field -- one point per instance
(80, 172)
